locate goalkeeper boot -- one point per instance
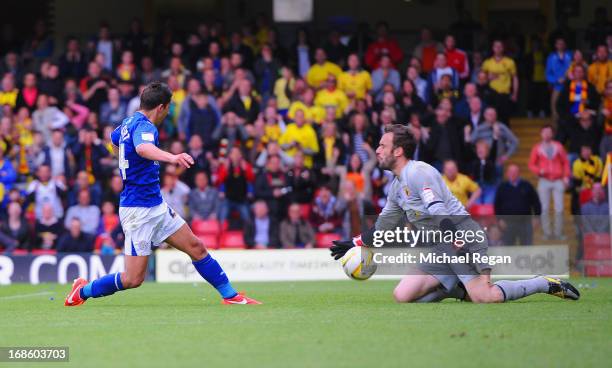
(562, 289)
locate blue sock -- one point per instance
(104, 286)
(212, 272)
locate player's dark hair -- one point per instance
(155, 94)
(402, 137)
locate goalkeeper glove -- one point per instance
(340, 247)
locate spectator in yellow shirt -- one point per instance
(8, 94)
(331, 96)
(178, 96)
(601, 70)
(317, 74)
(501, 72)
(355, 82)
(273, 125)
(312, 112)
(300, 135)
(462, 187)
(283, 90)
(587, 169)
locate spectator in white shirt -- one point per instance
(174, 191)
(87, 213)
(47, 118)
(46, 190)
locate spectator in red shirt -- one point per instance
(456, 58)
(549, 162)
(28, 95)
(384, 45)
(426, 50)
(234, 177)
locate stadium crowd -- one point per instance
(283, 136)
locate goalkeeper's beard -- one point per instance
(387, 163)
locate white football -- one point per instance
(357, 263)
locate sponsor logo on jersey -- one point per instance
(147, 137)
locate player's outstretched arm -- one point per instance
(151, 152)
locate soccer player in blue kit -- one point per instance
(145, 218)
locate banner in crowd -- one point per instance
(60, 268)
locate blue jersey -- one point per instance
(140, 175)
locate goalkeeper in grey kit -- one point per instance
(419, 195)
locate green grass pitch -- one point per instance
(308, 324)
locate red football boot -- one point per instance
(240, 299)
(74, 298)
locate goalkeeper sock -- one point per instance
(212, 272)
(513, 290)
(441, 294)
(104, 286)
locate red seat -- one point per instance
(597, 246)
(483, 213)
(305, 210)
(40, 252)
(585, 196)
(20, 252)
(211, 241)
(603, 270)
(206, 227)
(232, 240)
(482, 210)
(324, 240)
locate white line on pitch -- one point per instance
(19, 296)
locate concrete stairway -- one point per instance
(528, 133)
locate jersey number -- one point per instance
(123, 163)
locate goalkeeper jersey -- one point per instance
(420, 196)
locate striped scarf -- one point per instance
(326, 210)
(608, 122)
(577, 96)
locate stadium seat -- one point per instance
(324, 240)
(206, 227)
(484, 214)
(232, 240)
(601, 270)
(40, 252)
(481, 210)
(597, 246)
(211, 241)
(585, 196)
(305, 210)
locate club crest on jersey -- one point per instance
(124, 133)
